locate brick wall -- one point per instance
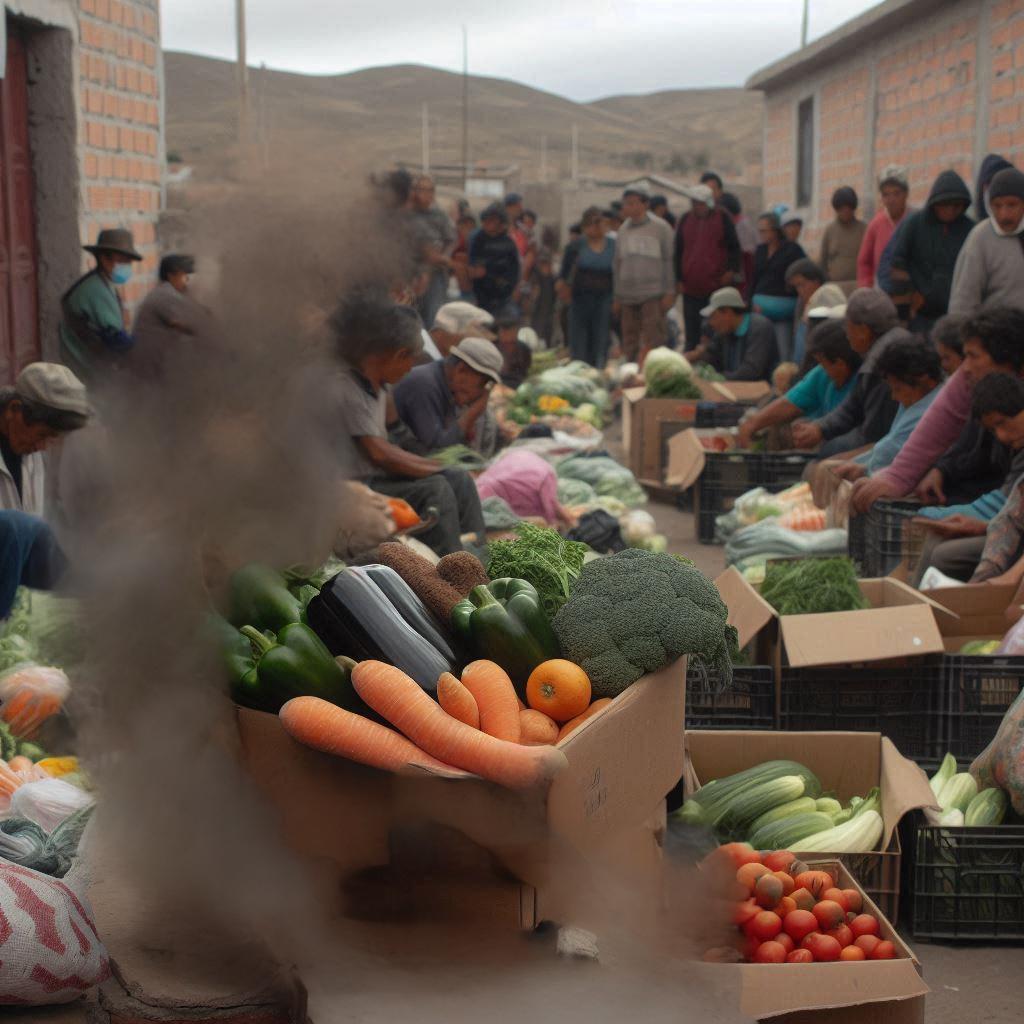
(120, 125)
(929, 83)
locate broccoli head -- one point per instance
(636, 612)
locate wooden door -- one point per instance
(19, 304)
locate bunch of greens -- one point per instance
(44, 629)
(542, 557)
(460, 455)
(708, 373)
(812, 586)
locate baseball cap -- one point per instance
(724, 298)
(827, 303)
(513, 199)
(700, 194)
(827, 312)
(52, 386)
(461, 316)
(481, 356)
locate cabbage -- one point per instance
(637, 526)
(588, 413)
(668, 375)
(575, 492)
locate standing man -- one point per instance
(894, 189)
(659, 207)
(707, 257)
(93, 333)
(713, 182)
(494, 263)
(435, 238)
(167, 314)
(644, 280)
(840, 245)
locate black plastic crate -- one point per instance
(969, 883)
(748, 704)
(980, 690)
(890, 538)
(780, 470)
(857, 544)
(720, 414)
(904, 700)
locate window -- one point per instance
(805, 152)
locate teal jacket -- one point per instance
(92, 329)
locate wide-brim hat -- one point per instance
(117, 240)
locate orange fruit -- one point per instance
(558, 688)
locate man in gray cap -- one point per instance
(866, 415)
(443, 402)
(990, 267)
(93, 335)
(46, 403)
(743, 346)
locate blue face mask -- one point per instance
(122, 273)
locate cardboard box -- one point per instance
(848, 763)
(647, 423)
(978, 613)
(621, 764)
(901, 623)
(886, 991)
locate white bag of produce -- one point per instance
(48, 802)
(49, 949)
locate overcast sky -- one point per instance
(584, 49)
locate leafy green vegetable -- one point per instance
(812, 586)
(44, 629)
(668, 375)
(460, 455)
(708, 373)
(542, 557)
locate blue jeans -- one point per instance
(590, 321)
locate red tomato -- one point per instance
(799, 923)
(824, 948)
(854, 902)
(749, 874)
(787, 882)
(768, 891)
(779, 860)
(803, 899)
(816, 881)
(765, 926)
(770, 953)
(749, 947)
(800, 956)
(829, 914)
(784, 906)
(836, 896)
(885, 950)
(867, 943)
(744, 911)
(783, 939)
(843, 935)
(853, 953)
(864, 924)
(740, 853)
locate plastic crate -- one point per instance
(720, 414)
(878, 874)
(748, 704)
(857, 544)
(890, 538)
(727, 475)
(904, 700)
(980, 690)
(969, 883)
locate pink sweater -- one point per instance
(940, 426)
(525, 481)
(876, 238)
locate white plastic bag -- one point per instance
(48, 802)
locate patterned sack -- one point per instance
(49, 949)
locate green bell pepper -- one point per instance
(505, 622)
(297, 664)
(259, 596)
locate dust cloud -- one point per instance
(229, 456)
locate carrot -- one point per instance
(457, 700)
(595, 708)
(536, 728)
(20, 764)
(394, 696)
(495, 697)
(316, 723)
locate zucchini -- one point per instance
(828, 805)
(691, 813)
(779, 835)
(946, 771)
(718, 793)
(861, 834)
(958, 792)
(987, 808)
(802, 805)
(748, 804)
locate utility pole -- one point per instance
(543, 159)
(243, 79)
(465, 106)
(575, 152)
(426, 139)
(803, 25)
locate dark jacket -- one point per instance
(869, 409)
(990, 167)
(927, 249)
(977, 464)
(706, 247)
(770, 271)
(751, 356)
(499, 257)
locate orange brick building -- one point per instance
(929, 84)
(81, 148)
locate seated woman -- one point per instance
(819, 392)
(911, 370)
(527, 484)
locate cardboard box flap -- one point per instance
(741, 390)
(972, 611)
(685, 459)
(874, 634)
(904, 786)
(748, 611)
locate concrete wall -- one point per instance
(941, 92)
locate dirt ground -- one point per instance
(968, 983)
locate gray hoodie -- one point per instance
(643, 260)
(990, 267)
